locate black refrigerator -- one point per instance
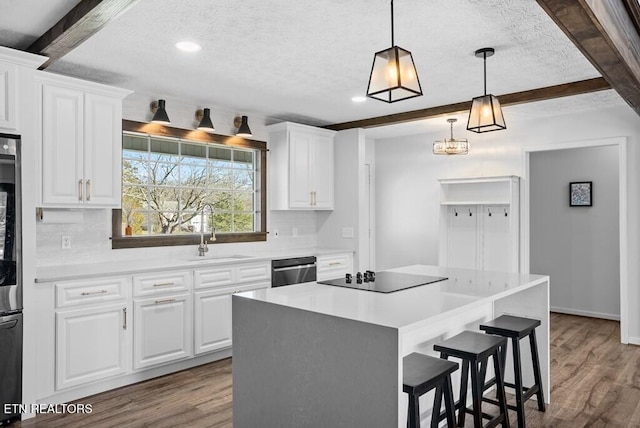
(10, 279)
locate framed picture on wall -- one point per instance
(580, 194)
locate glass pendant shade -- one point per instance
(485, 115)
(160, 116)
(393, 76)
(243, 130)
(205, 122)
(451, 146)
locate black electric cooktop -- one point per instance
(386, 282)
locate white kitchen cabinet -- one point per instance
(81, 143)
(93, 330)
(8, 106)
(212, 301)
(480, 223)
(334, 266)
(13, 65)
(162, 330)
(301, 167)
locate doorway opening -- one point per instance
(569, 233)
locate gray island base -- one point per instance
(313, 355)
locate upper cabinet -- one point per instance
(81, 143)
(301, 175)
(12, 63)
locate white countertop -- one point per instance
(92, 270)
(405, 309)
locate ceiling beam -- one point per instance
(82, 22)
(605, 32)
(541, 94)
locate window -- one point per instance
(167, 180)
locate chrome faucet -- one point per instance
(202, 248)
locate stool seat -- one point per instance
(474, 349)
(510, 326)
(422, 373)
(470, 345)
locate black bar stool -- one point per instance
(517, 328)
(422, 373)
(474, 349)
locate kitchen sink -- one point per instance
(218, 258)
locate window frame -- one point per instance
(119, 241)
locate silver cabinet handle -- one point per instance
(124, 312)
(88, 190)
(79, 190)
(158, 302)
(89, 293)
(162, 284)
(311, 198)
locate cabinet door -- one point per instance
(102, 150)
(8, 108)
(91, 344)
(334, 266)
(212, 318)
(162, 330)
(322, 170)
(300, 153)
(62, 146)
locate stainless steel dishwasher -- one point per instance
(293, 271)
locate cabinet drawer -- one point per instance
(254, 272)
(91, 291)
(334, 266)
(160, 283)
(217, 277)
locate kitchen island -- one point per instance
(316, 355)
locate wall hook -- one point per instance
(489, 209)
(456, 212)
(470, 213)
(505, 213)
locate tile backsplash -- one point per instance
(90, 234)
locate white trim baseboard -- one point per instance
(634, 340)
(582, 313)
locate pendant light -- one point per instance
(159, 113)
(204, 116)
(393, 74)
(451, 146)
(243, 127)
(485, 114)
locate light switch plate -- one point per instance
(347, 232)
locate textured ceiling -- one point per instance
(304, 60)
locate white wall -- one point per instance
(577, 246)
(407, 187)
(90, 236)
(349, 156)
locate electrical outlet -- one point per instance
(294, 232)
(65, 242)
(276, 233)
(347, 232)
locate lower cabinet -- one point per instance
(334, 266)
(92, 344)
(162, 330)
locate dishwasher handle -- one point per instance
(281, 269)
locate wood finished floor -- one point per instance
(595, 383)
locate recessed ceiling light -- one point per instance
(358, 99)
(188, 46)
